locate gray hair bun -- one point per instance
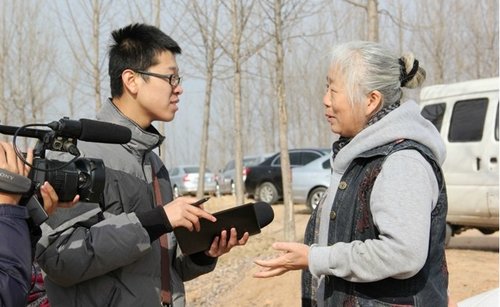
(411, 74)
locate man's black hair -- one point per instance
(136, 46)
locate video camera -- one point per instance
(78, 176)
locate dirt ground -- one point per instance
(472, 258)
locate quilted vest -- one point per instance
(351, 219)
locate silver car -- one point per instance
(227, 178)
(310, 181)
(184, 180)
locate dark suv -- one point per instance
(264, 181)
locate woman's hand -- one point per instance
(294, 256)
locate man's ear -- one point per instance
(129, 81)
(374, 103)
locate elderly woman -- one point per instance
(377, 238)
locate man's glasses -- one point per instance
(174, 79)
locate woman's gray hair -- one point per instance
(368, 66)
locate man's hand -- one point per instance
(181, 213)
(295, 256)
(222, 245)
(11, 162)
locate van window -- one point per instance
(434, 113)
(496, 125)
(467, 120)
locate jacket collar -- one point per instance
(142, 140)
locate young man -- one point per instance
(109, 254)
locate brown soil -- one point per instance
(472, 262)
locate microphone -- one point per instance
(92, 130)
(264, 213)
(250, 217)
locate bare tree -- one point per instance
(455, 39)
(86, 47)
(283, 16)
(206, 19)
(371, 8)
(27, 60)
(240, 12)
(5, 39)
(238, 22)
(289, 223)
(480, 34)
(435, 42)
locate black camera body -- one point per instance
(79, 176)
(84, 177)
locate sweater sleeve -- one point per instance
(15, 256)
(402, 199)
(155, 222)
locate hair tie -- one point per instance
(405, 77)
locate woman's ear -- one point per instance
(374, 103)
(129, 80)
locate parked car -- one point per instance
(466, 115)
(311, 181)
(264, 181)
(226, 177)
(184, 180)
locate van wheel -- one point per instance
(267, 192)
(449, 234)
(487, 231)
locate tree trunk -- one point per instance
(289, 221)
(372, 9)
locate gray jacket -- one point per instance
(100, 255)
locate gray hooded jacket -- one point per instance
(100, 255)
(402, 247)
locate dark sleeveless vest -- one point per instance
(351, 220)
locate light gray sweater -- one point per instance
(403, 196)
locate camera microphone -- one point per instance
(92, 130)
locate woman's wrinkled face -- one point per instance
(344, 119)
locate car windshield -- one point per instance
(192, 169)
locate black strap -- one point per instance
(14, 183)
(166, 293)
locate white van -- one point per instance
(466, 114)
